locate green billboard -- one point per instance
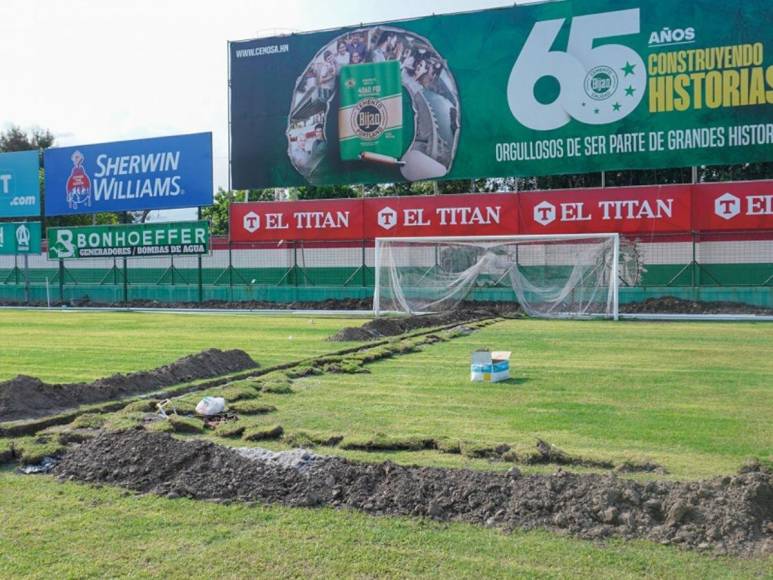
(19, 237)
(129, 241)
(539, 89)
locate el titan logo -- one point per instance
(251, 222)
(727, 206)
(544, 213)
(387, 218)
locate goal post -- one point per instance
(551, 276)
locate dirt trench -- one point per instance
(671, 305)
(726, 515)
(386, 327)
(25, 397)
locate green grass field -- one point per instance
(697, 398)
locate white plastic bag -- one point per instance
(210, 406)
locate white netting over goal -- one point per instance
(549, 276)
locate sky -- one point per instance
(104, 70)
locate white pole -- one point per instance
(615, 281)
(377, 282)
(48, 294)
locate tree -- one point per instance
(217, 213)
(15, 139)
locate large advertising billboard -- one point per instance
(550, 88)
(129, 241)
(160, 173)
(20, 184)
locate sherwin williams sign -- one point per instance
(549, 88)
(128, 241)
(19, 184)
(161, 173)
(19, 237)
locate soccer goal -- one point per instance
(550, 276)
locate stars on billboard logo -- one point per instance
(78, 183)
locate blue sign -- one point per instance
(161, 173)
(19, 184)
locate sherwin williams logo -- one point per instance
(78, 184)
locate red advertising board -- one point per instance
(632, 210)
(488, 214)
(327, 219)
(733, 206)
(740, 206)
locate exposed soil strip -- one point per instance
(727, 515)
(384, 327)
(671, 305)
(27, 397)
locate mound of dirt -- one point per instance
(671, 305)
(27, 397)
(728, 515)
(384, 327)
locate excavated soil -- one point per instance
(385, 327)
(671, 305)
(26, 397)
(726, 515)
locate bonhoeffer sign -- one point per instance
(129, 240)
(558, 87)
(160, 173)
(640, 210)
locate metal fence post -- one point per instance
(364, 267)
(125, 283)
(26, 279)
(61, 281)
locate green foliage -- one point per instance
(142, 406)
(233, 429)
(32, 450)
(382, 442)
(263, 432)
(323, 192)
(251, 407)
(88, 421)
(312, 439)
(124, 421)
(217, 213)
(236, 392)
(16, 139)
(182, 424)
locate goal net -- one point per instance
(558, 276)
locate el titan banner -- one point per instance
(20, 184)
(543, 89)
(128, 241)
(160, 173)
(639, 210)
(20, 237)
